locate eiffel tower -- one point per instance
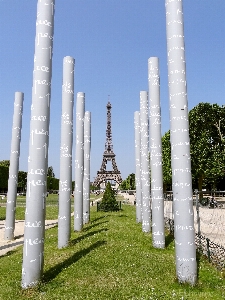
(108, 155)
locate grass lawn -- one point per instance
(110, 259)
(51, 207)
(51, 213)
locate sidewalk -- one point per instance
(129, 198)
(6, 246)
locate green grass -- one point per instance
(51, 206)
(110, 259)
(51, 213)
(51, 209)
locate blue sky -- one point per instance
(111, 41)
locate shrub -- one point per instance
(109, 202)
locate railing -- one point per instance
(214, 252)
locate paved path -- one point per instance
(130, 198)
(6, 246)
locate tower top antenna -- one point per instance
(108, 143)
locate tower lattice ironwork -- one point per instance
(108, 155)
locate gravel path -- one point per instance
(212, 222)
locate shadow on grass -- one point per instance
(8, 246)
(99, 218)
(94, 225)
(8, 253)
(80, 238)
(122, 216)
(54, 271)
(169, 239)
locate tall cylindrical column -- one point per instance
(14, 167)
(33, 251)
(180, 146)
(86, 185)
(79, 163)
(145, 174)
(155, 141)
(64, 218)
(138, 166)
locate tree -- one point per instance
(52, 184)
(207, 140)
(207, 146)
(5, 163)
(22, 180)
(109, 202)
(166, 161)
(73, 186)
(4, 176)
(50, 172)
(131, 180)
(94, 188)
(123, 185)
(128, 183)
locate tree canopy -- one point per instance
(128, 183)
(50, 172)
(22, 180)
(207, 145)
(4, 176)
(52, 182)
(5, 163)
(207, 133)
(166, 160)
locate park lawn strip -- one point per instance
(51, 206)
(110, 259)
(51, 213)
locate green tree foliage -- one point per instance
(5, 163)
(109, 202)
(4, 176)
(52, 184)
(166, 160)
(94, 188)
(22, 180)
(50, 172)
(207, 146)
(73, 186)
(207, 140)
(123, 185)
(128, 183)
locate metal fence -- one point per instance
(209, 214)
(214, 252)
